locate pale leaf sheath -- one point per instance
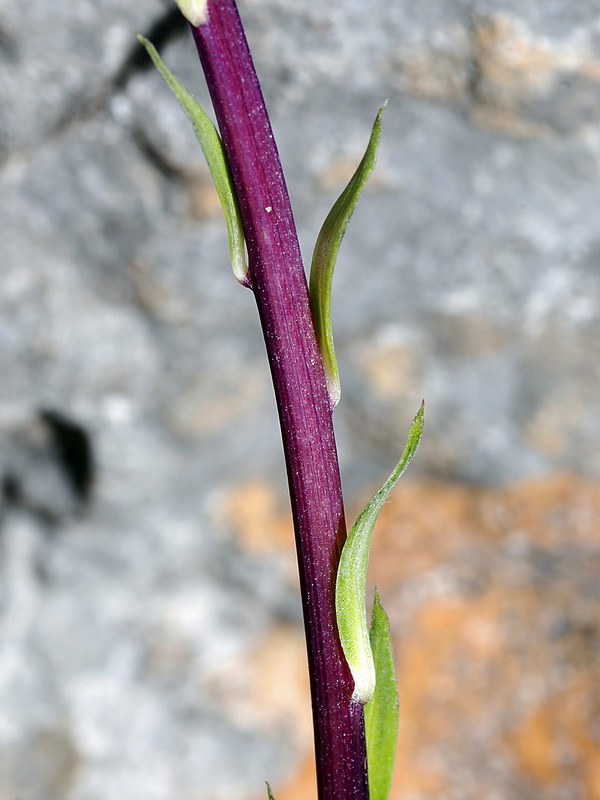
(351, 583)
(325, 255)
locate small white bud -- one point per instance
(195, 11)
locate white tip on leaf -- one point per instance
(269, 792)
(195, 11)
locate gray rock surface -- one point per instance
(469, 276)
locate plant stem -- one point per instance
(277, 278)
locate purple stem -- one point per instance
(277, 278)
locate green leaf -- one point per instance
(325, 254)
(351, 582)
(381, 712)
(269, 792)
(215, 156)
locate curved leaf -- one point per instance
(351, 583)
(217, 163)
(325, 255)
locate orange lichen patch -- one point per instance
(424, 525)
(471, 661)
(495, 67)
(547, 511)
(421, 526)
(557, 740)
(440, 670)
(417, 776)
(492, 598)
(464, 667)
(425, 694)
(513, 63)
(451, 661)
(302, 785)
(252, 512)
(444, 652)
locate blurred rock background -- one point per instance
(150, 636)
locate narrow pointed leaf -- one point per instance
(381, 712)
(351, 583)
(325, 255)
(215, 156)
(269, 792)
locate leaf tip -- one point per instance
(377, 599)
(143, 41)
